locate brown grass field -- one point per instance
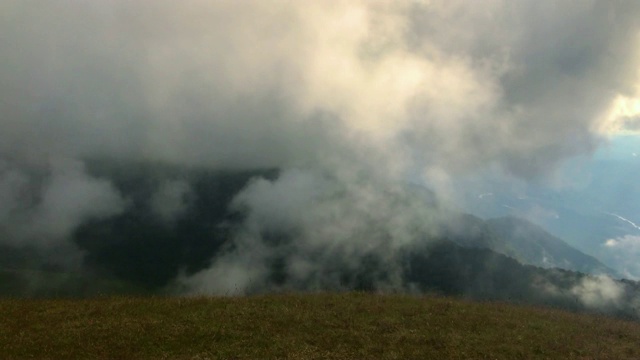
(310, 326)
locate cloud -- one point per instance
(312, 224)
(624, 252)
(599, 292)
(625, 114)
(42, 206)
(446, 85)
(631, 123)
(228, 276)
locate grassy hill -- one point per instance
(311, 326)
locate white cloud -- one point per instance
(624, 254)
(42, 206)
(624, 116)
(313, 221)
(598, 292)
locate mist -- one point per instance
(349, 100)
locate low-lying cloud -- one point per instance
(625, 252)
(599, 292)
(307, 221)
(42, 206)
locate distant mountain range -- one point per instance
(523, 241)
(138, 251)
(533, 245)
(589, 202)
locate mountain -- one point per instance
(481, 274)
(590, 202)
(471, 231)
(142, 246)
(531, 244)
(145, 251)
(521, 240)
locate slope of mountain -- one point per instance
(470, 231)
(139, 245)
(521, 240)
(481, 274)
(531, 244)
(587, 203)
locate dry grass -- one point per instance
(318, 326)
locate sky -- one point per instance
(365, 93)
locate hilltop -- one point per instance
(310, 326)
